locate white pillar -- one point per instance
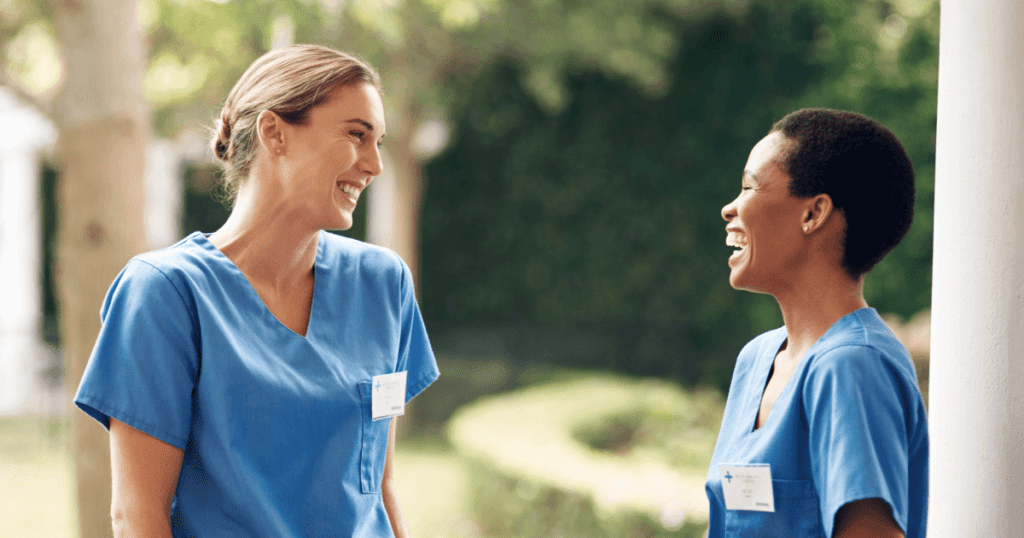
(977, 361)
(21, 349)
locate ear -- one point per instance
(817, 212)
(270, 132)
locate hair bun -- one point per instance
(222, 140)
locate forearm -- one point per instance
(394, 510)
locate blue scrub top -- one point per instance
(849, 425)
(275, 427)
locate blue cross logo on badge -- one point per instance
(728, 477)
(377, 386)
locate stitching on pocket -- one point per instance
(373, 450)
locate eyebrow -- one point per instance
(751, 175)
(364, 123)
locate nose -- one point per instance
(372, 163)
(729, 211)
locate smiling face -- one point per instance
(765, 222)
(329, 160)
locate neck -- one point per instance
(810, 308)
(266, 240)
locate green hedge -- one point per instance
(600, 224)
(537, 471)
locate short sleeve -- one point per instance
(145, 364)
(415, 355)
(858, 431)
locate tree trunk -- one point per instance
(104, 131)
(394, 211)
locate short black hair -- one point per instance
(863, 167)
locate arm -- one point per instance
(866, 518)
(388, 490)
(145, 474)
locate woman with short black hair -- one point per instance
(824, 432)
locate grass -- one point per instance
(37, 497)
(36, 488)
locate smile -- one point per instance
(736, 240)
(350, 191)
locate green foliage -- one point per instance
(514, 507)
(601, 223)
(537, 473)
(685, 436)
(575, 216)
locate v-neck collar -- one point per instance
(203, 241)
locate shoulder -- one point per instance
(863, 340)
(165, 275)
(338, 246)
(188, 257)
(363, 258)
(862, 355)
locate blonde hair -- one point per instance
(289, 81)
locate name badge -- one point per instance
(388, 395)
(748, 487)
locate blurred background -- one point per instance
(555, 174)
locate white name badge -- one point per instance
(748, 487)
(388, 395)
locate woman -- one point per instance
(234, 370)
(824, 432)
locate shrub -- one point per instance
(541, 467)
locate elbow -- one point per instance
(128, 523)
(387, 485)
(119, 522)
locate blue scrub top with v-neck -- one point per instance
(849, 425)
(276, 428)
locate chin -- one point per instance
(737, 281)
(339, 221)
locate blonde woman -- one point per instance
(239, 373)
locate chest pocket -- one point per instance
(375, 442)
(796, 514)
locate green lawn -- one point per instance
(37, 491)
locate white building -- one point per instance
(24, 358)
(25, 137)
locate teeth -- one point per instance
(353, 192)
(734, 239)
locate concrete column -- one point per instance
(977, 360)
